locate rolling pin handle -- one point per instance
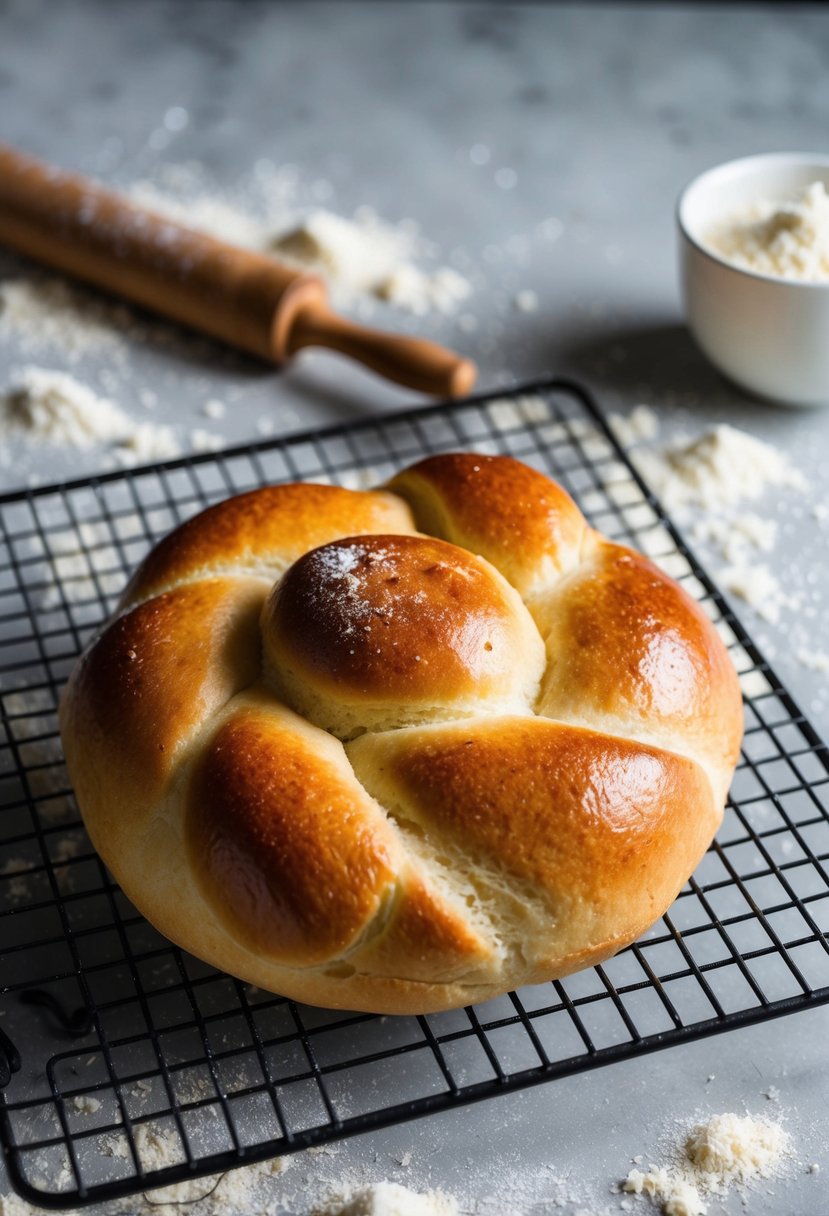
(413, 362)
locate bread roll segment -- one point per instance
(404, 749)
(630, 652)
(263, 532)
(526, 525)
(590, 834)
(375, 632)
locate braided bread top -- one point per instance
(402, 749)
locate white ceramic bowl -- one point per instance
(770, 335)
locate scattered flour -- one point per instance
(206, 211)
(53, 407)
(720, 468)
(202, 440)
(639, 425)
(148, 441)
(789, 240)
(12, 1205)
(365, 256)
(727, 1149)
(736, 534)
(46, 406)
(360, 256)
(815, 660)
(676, 1196)
(705, 482)
(755, 583)
(66, 849)
(45, 312)
(419, 292)
(390, 1199)
(216, 1195)
(251, 1189)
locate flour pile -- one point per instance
(44, 406)
(720, 468)
(705, 482)
(726, 1150)
(53, 407)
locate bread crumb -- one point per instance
(85, 1104)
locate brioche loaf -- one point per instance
(404, 749)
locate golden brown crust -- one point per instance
(601, 830)
(526, 525)
(626, 645)
(153, 678)
(264, 531)
(286, 839)
(428, 939)
(406, 622)
(532, 827)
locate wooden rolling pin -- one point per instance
(247, 299)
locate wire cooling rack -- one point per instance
(127, 1064)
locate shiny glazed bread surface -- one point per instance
(402, 749)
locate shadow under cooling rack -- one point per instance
(142, 1066)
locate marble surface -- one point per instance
(483, 123)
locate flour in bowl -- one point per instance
(789, 240)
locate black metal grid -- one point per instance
(132, 1039)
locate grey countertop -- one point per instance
(599, 115)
